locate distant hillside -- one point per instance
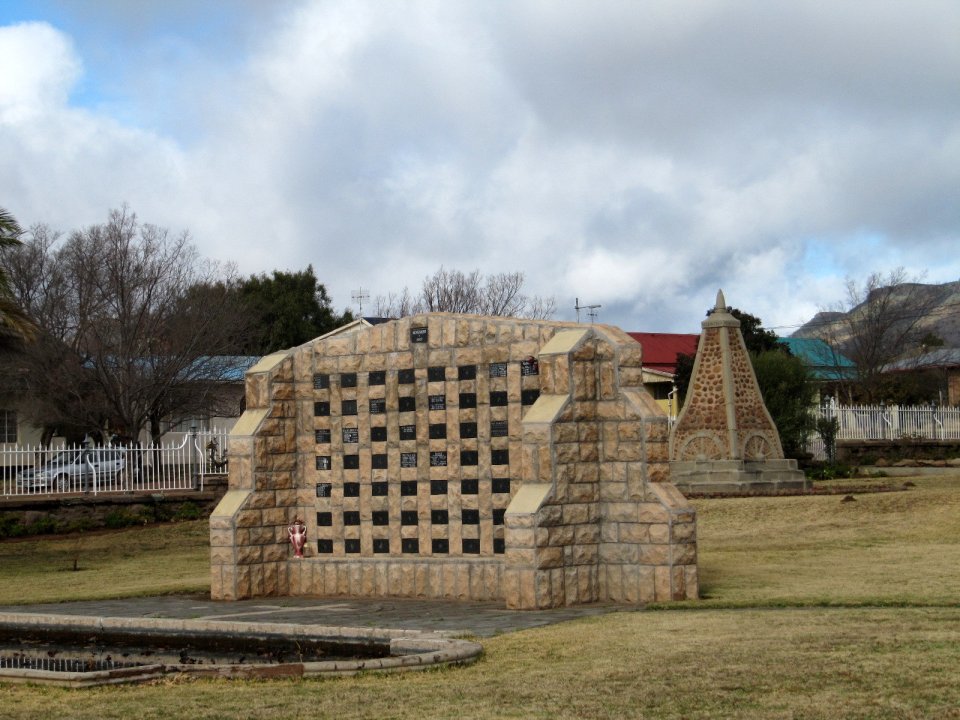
(943, 318)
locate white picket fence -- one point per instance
(38, 470)
(888, 422)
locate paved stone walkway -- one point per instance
(481, 619)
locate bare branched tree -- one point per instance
(882, 319)
(458, 292)
(126, 338)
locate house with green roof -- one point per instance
(828, 367)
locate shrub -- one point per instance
(116, 519)
(188, 511)
(10, 526)
(830, 471)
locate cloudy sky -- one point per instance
(634, 154)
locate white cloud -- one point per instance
(635, 155)
(39, 69)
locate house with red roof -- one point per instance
(660, 351)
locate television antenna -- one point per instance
(358, 297)
(591, 310)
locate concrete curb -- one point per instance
(404, 649)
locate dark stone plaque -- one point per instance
(439, 517)
(408, 432)
(471, 546)
(408, 487)
(378, 406)
(324, 519)
(438, 431)
(378, 461)
(470, 517)
(529, 397)
(469, 486)
(438, 402)
(418, 335)
(348, 380)
(530, 366)
(379, 489)
(407, 404)
(468, 430)
(323, 462)
(321, 409)
(468, 401)
(437, 373)
(438, 458)
(351, 489)
(498, 398)
(501, 485)
(498, 516)
(438, 487)
(378, 434)
(499, 546)
(440, 546)
(410, 545)
(321, 382)
(499, 457)
(469, 457)
(351, 545)
(467, 372)
(351, 517)
(351, 462)
(380, 517)
(408, 460)
(409, 517)
(321, 436)
(348, 407)
(498, 369)
(351, 435)
(377, 377)
(406, 376)
(325, 546)
(498, 428)
(324, 489)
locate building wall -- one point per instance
(460, 457)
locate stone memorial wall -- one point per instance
(459, 457)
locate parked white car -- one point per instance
(74, 470)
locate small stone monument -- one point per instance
(724, 440)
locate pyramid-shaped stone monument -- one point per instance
(724, 440)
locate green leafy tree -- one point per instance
(787, 392)
(15, 324)
(755, 337)
(287, 309)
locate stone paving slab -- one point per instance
(461, 618)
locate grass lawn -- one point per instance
(813, 608)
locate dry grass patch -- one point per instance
(152, 560)
(784, 663)
(880, 549)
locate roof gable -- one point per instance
(660, 350)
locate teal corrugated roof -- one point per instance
(823, 361)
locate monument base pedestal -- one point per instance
(738, 477)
